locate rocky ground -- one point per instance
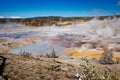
(27, 67)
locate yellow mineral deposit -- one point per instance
(89, 53)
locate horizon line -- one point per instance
(19, 17)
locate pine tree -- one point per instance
(53, 54)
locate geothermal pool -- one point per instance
(65, 39)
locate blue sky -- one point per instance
(33, 8)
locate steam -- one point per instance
(118, 4)
(91, 30)
(41, 47)
(97, 12)
(96, 28)
(9, 25)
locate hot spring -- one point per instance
(73, 36)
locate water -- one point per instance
(91, 30)
(17, 34)
(42, 47)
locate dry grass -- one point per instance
(21, 67)
(26, 67)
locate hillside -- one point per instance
(27, 67)
(50, 20)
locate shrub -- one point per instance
(91, 72)
(25, 54)
(106, 57)
(52, 54)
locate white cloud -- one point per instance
(118, 4)
(15, 17)
(2, 17)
